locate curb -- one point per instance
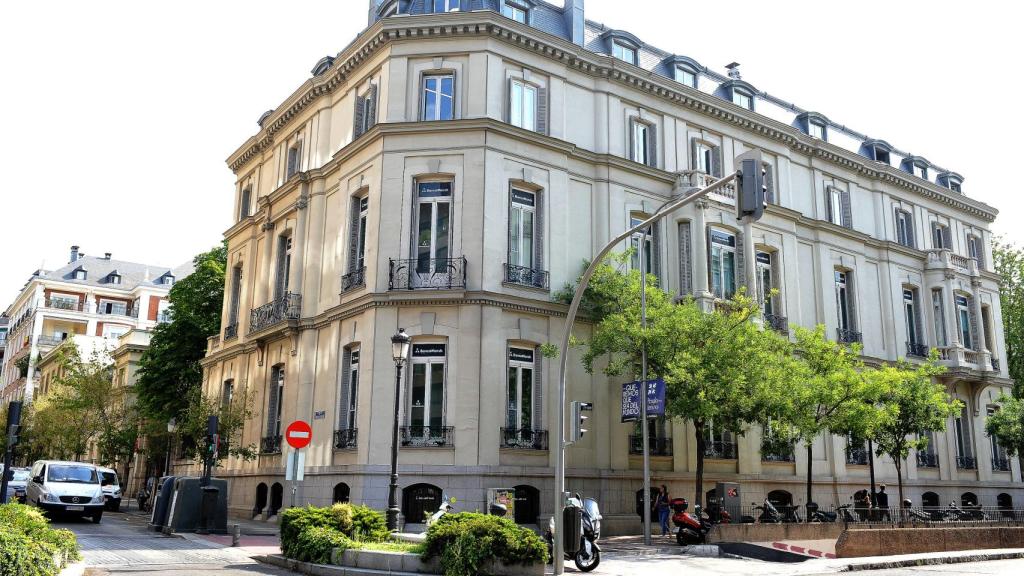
(801, 550)
(913, 562)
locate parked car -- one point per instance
(111, 489)
(16, 484)
(66, 487)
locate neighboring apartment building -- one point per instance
(448, 172)
(91, 296)
(3, 338)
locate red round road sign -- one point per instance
(298, 434)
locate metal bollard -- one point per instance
(236, 535)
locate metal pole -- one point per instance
(13, 422)
(646, 442)
(393, 488)
(668, 207)
(871, 470)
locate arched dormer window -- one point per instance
(388, 9)
(445, 5)
(263, 117)
(877, 150)
(951, 180)
(322, 65)
(917, 166)
(683, 70)
(738, 92)
(623, 46)
(814, 125)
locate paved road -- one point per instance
(122, 545)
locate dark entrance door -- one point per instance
(527, 504)
(419, 501)
(276, 498)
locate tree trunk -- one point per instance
(699, 480)
(899, 484)
(810, 468)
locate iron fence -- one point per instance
(720, 450)
(1000, 464)
(428, 436)
(848, 336)
(917, 349)
(777, 454)
(524, 276)
(966, 463)
(857, 456)
(427, 274)
(345, 439)
(270, 445)
(65, 304)
(231, 331)
(287, 307)
(655, 446)
(354, 279)
(925, 460)
(864, 517)
(524, 439)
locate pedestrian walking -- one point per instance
(664, 510)
(882, 504)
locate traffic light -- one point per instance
(752, 186)
(578, 419)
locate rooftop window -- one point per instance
(389, 9)
(516, 11)
(742, 98)
(881, 155)
(816, 130)
(114, 278)
(624, 52)
(447, 5)
(685, 75)
(80, 274)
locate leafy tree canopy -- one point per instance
(1009, 264)
(1007, 425)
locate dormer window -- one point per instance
(390, 9)
(167, 280)
(80, 274)
(742, 98)
(114, 278)
(917, 166)
(816, 130)
(686, 76)
(921, 171)
(881, 155)
(516, 11)
(624, 52)
(447, 5)
(951, 180)
(955, 186)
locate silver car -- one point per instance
(16, 484)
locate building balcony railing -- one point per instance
(64, 304)
(427, 274)
(354, 279)
(926, 460)
(428, 436)
(655, 446)
(945, 258)
(524, 439)
(917, 350)
(44, 340)
(777, 453)
(524, 276)
(120, 310)
(720, 450)
(776, 322)
(231, 331)
(966, 463)
(345, 439)
(857, 456)
(287, 307)
(270, 445)
(847, 336)
(1000, 464)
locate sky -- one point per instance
(119, 114)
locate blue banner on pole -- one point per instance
(631, 408)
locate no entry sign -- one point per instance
(298, 434)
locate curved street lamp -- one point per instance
(400, 352)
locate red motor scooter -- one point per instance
(690, 528)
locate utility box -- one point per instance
(184, 512)
(727, 495)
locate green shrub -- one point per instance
(466, 542)
(315, 544)
(342, 514)
(295, 520)
(28, 545)
(24, 519)
(368, 525)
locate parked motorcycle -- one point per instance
(690, 528)
(815, 514)
(589, 554)
(769, 514)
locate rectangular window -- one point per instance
(427, 386)
(963, 319)
(276, 393)
(911, 316)
(881, 155)
(244, 203)
(284, 265)
(353, 389)
(961, 427)
(63, 302)
(642, 147)
(940, 237)
(835, 205)
(642, 245)
(765, 283)
(294, 159)
(515, 11)
(939, 317)
(446, 5)
(519, 408)
(686, 76)
(998, 452)
(523, 105)
(366, 111)
(624, 52)
(521, 231)
(920, 171)
(227, 394)
(433, 227)
(975, 250)
(816, 130)
(364, 209)
(704, 157)
(439, 97)
(904, 228)
(236, 293)
(741, 98)
(955, 186)
(723, 264)
(844, 310)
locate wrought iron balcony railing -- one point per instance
(270, 445)
(848, 336)
(777, 323)
(966, 463)
(44, 340)
(345, 439)
(354, 279)
(1000, 464)
(524, 439)
(287, 307)
(857, 456)
(917, 349)
(655, 446)
(926, 460)
(777, 453)
(428, 437)
(427, 274)
(720, 450)
(65, 304)
(524, 276)
(231, 331)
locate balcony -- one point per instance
(345, 439)
(917, 350)
(231, 331)
(529, 277)
(353, 280)
(857, 456)
(428, 437)
(64, 304)
(655, 446)
(427, 274)
(700, 179)
(1000, 464)
(270, 445)
(49, 341)
(776, 452)
(925, 460)
(946, 259)
(966, 463)
(846, 336)
(524, 439)
(117, 310)
(720, 450)
(287, 307)
(778, 323)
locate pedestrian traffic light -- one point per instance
(578, 419)
(752, 186)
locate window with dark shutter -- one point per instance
(538, 390)
(847, 210)
(346, 389)
(244, 203)
(685, 259)
(542, 110)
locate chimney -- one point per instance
(106, 255)
(74, 255)
(734, 70)
(574, 20)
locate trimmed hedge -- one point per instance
(315, 544)
(368, 525)
(354, 523)
(467, 542)
(29, 547)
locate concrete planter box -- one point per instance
(388, 563)
(895, 541)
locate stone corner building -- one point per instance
(456, 164)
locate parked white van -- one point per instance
(66, 487)
(111, 488)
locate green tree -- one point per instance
(231, 417)
(169, 371)
(1007, 425)
(1009, 264)
(913, 403)
(831, 393)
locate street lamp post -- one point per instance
(172, 427)
(399, 351)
